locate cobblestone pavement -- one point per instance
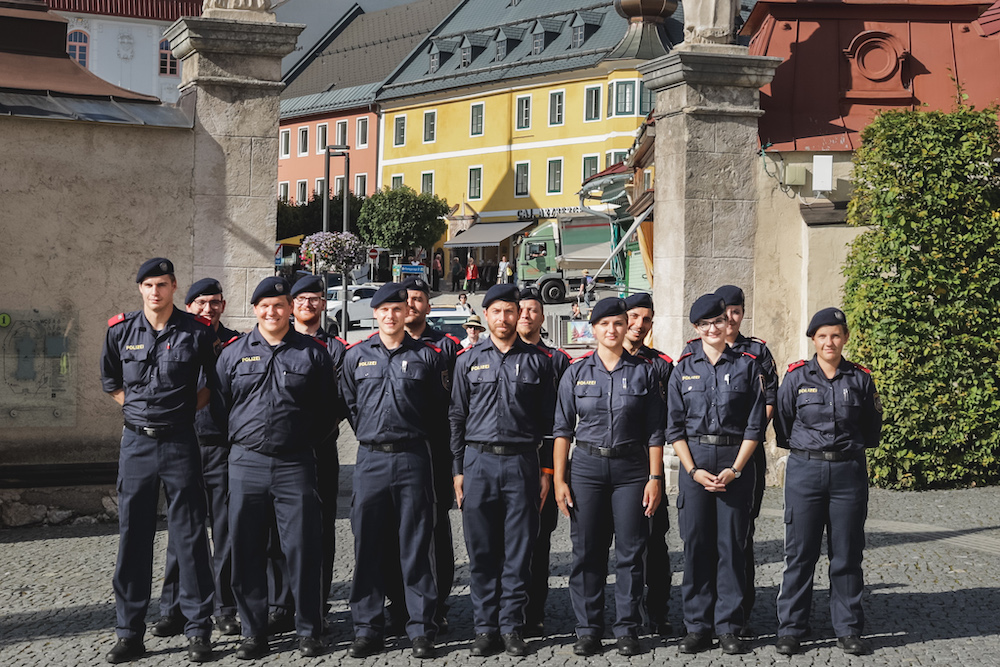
(932, 570)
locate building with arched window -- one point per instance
(77, 43)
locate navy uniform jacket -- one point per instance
(158, 369)
(393, 395)
(277, 399)
(204, 425)
(337, 347)
(661, 363)
(758, 349)
(725, 399)
(502, 399)
(448, 344)
(560, 359)
(616, 409)
(839, 415)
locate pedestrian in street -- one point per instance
(471, 275)
(586, 293)
(437, 270)
(474, 329)
(395, 387)
(276, 388)
(150, 365)
(657, 565)
(828, 414)
(504, 271)
(531, 317)
(715, 418)
(503, 398)
(456, 274)
(611, 404)
(575, 313)
(463, 305)
(205, 299)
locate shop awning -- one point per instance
(487, 234)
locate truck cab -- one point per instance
(553, 255)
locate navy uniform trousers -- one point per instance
(500, 518)
(260, 485)
(393, 488)
(714, 528)
(750, 590)
(538, 586)
(830, 495)
(607, 499)
(215, 471)
(657, 566)
(143, 464)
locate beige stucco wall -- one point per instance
(83, 205)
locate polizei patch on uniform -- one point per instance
(481, 367)
(808, 390)
(245, 359)
(586, 382)
(140, 346)
(367, 363)
(690, 377)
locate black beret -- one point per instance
(151, 268)
(417, 284)
(826, 317)
(502, 292)
(308, 284)
(707, 307)
(204, 287)
(731, 294)
(639, 300)
(389, 293)
(273, 286)
(531, 294)
(607, 307)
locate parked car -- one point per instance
(448, 320)
(359, 308)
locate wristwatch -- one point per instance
(736, 472)
(657, 478)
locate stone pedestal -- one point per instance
(231, 82)
(705, 220)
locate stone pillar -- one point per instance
(231, 79)
(707, 105)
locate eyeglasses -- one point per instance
(311, 300)
(719, 322)
(211, 303)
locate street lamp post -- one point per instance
(338, 150)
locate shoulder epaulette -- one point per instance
(463, 351)
(362, 340)
(120, 317)
(685, 355)
(747, 354)
(321, 342)
(344, 342)
(798, 364)
(432, 346)
(665, 357)
(583, 356)
(456, 340)
(859, 366)
(691, 341)
(234, 338)
(568, 355)
(204, 320)
(759, 340)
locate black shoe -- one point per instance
(362, 647)
(661, 627)
(310, 647)
(747, 633)
(787, 645)
(588, 645)
(629, 645)
(854, 645)
(732, 645)
(125, 650)
(227, 625)
(199, 649)
(534, 629)
(423, 648)
(443, 626)
(396, 619)
(695, 642)
(168, 626)
(486, 643)
(280, 622)
(515, 645)
(252, 648)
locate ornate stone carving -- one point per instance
(710, 21)
(126, 45)
(240, 10)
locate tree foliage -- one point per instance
(400, 219)
(308, 218)
(923, 294)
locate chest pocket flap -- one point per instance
(809, 396)
(369, 369)
(481, 375)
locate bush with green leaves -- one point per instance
(401, 219)
(923, 294)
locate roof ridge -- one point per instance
(530, 19)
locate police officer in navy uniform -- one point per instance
(393, 386)
(308, 304)
(276, 386)
(612, 403)
(828, 414)
(715, 418)
(657, 566)
(150, 364)
(529, 328)
(205, 299)
(502, 404)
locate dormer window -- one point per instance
(543, 32)
(435, 62)
(507, 38)
(439, 53)
(501, 49)
(578, 36)
(466, 56)
(584, 25)
(537, 43)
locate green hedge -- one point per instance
(923, 294)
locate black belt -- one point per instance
(610, 452)
(719, 440)
(149, 431)
(390, 447)
(501, 450)
(826, 456)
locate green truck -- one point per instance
(553, 255)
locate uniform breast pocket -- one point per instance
(363, 372)
(248, 377)
(809, 400)
(415, 371)
(632, 396)
(295, 377)
(482, 377)
(588, 396)
(135, 368)
(527, 384)
(178, 361)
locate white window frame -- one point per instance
(361, 188)
(622, 84)
(647, 179)
(395, 120)
(427, 173)
(548, 171)
(580, 30)
(609, 156)
(468, 182)
(583, 166)
(322, 129)
(517, 112)
(528, 191)
(302, 186)
(393, 177)
(537, 43)
(338, 185)
(482, 106)
(302, 145)
(284, 144)
(562, 112)
(357, 133)
(318, 188)
(600, 103)
(336, 136)
(286, 186)
(423, 135)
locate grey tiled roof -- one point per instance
(338, 98)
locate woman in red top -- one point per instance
(471, 275)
